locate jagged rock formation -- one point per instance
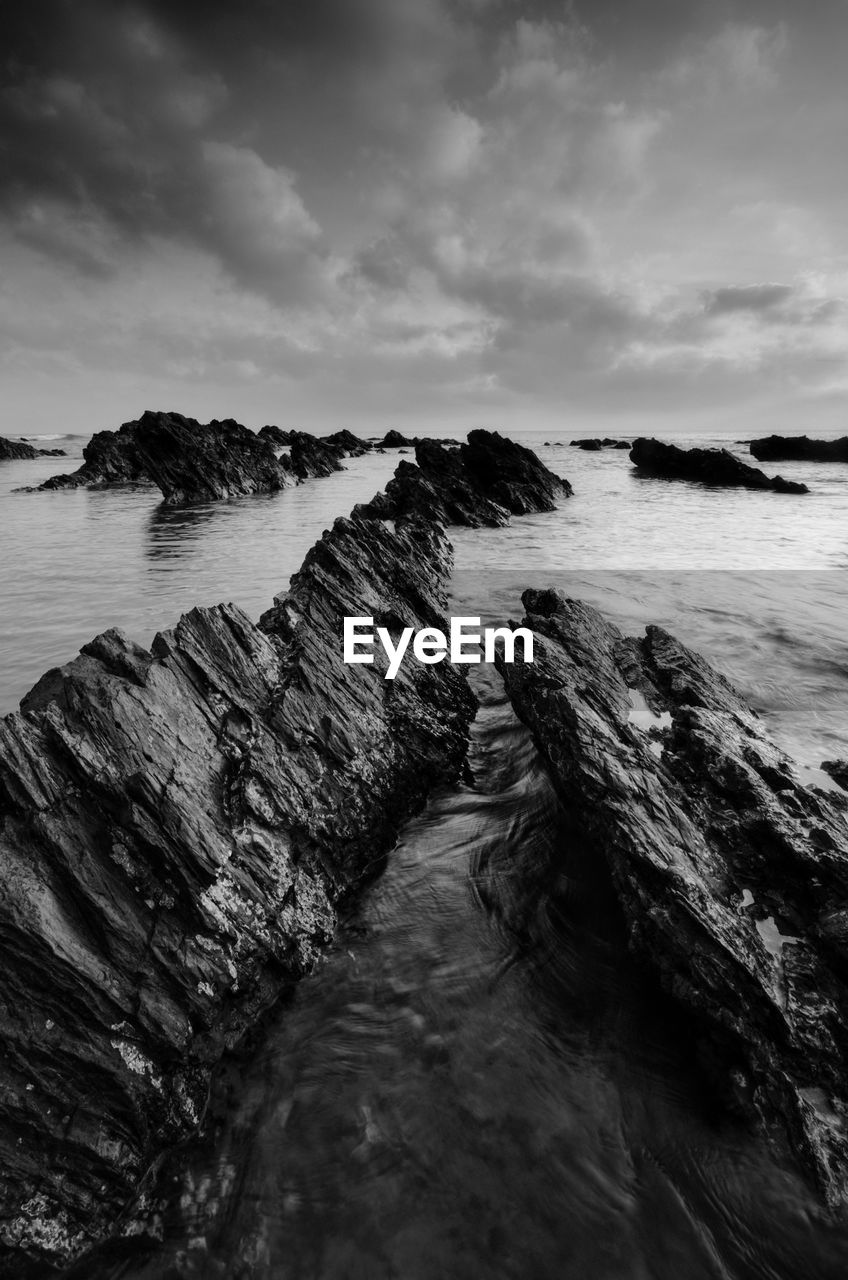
(706, 466)
(733, 876)
(348, 443)
(110, 457)
(799, 449)
(482, 482)
(594, 445)
(189, 461)
(176, 827)
(195, 462)
(13, 450)
(396, 440)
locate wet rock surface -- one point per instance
(706, 466)
(482, 482)
(13, 450)
(176, 828)
(799, 449)
(732, 874)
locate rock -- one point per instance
(594, 445)
(799, 449)
(707, 466)
(352, 445)
(732, 875)
(838, 770)
(394, 440)
(310, 457)
(314, 455)
(189, 461)
(277, 435)
(13, 450)
(176, 828)
(482, 482)
(192, 462)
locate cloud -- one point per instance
(514, 204)
(749, 297)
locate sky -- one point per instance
(620, 215)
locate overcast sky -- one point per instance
(627, 214)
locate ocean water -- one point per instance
(478, 1081)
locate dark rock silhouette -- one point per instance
(482, 482)
(799, 449)
(706, 466)
(189, 461)
(838, 770)
(177, 827)
(732, 874)
(352, 445)
(13, 450)
(195, 462)
(594, 445)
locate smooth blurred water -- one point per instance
(479, 1081)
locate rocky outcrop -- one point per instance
(109, 458)
(13, 450)
(838, 770)
(706, 466)
(195, 462)
(482, 482)
(350, 444)
(732, 874)
(277, 436)
(594, 445)
(176, 828)
(799, 449)
(396, 440)
(189, 461)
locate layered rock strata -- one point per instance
(177, 826)
(732, 874)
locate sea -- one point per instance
(478, 1081)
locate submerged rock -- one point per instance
(13, 450)
(176, 828)
(733, 875)
(707, 466)
(799, 449)
(482, 482)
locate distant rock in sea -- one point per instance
(483, 482)
(799, 449)
(15, 450)
(706, 466)
(595, 445)
(731, 873)
(196, 462)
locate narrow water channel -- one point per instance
(480, 1082)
